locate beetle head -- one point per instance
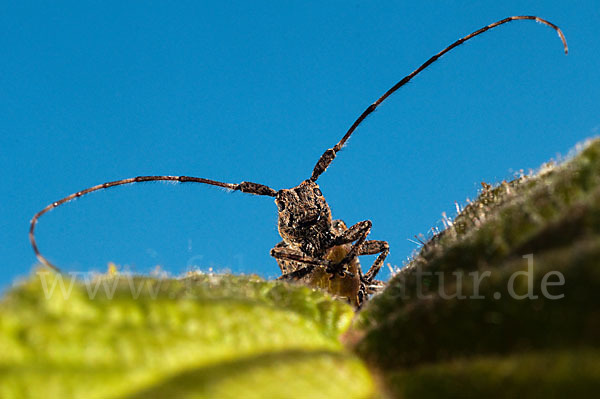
(302, 208)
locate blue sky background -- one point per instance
(98, 91)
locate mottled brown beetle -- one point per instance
(315, 250)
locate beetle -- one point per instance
(315, 249)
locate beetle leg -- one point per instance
(298, 273)
(373, 247)
(358, 233)
(354, 232)
(289, 254)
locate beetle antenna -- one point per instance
(330, 154)
(245, 187)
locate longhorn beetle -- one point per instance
(315, 250)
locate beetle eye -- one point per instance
(280, 206)
(318, 192)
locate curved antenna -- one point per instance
(330, 154)
(245, 187)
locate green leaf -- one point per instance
(479, 290)
(201, 336)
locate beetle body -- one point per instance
(319, 251)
